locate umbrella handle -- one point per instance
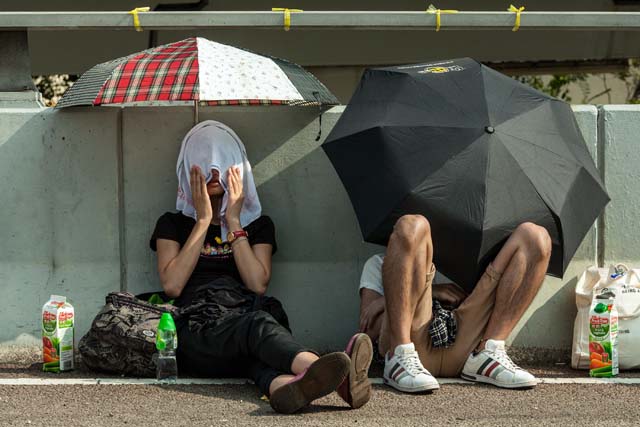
(317, 96)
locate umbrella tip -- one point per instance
(489, 129)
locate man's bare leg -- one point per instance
(523, 262)
(404, 279)
(404, 271)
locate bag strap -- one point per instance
(126, 299)
(622, 267)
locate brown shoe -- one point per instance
(356, 388)
(321, 378)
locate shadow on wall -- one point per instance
(320, 247)
(542, 328)
(59, 214)
(296, 183)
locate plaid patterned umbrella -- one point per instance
(197, 70)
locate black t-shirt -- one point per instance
(216, 255)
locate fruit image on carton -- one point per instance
(57, 335)
(603, 337)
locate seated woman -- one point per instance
(214, 258)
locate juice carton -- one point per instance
(57, 335)
(603, 336)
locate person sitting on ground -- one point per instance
(418, 336)
(214, 258)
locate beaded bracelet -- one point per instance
(237, 240)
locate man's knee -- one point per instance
(535, 241)
(411, 230)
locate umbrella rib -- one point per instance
(443, 96)
(486, 190)
(461, 91)
(424, 126)
(419, 110)
(573, 159)
(524, 171)
(504, 104)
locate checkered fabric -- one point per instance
(168, 73)
(443, 327)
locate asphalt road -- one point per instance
(241, 405)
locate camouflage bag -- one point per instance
(122, 338)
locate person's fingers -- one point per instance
(364, 324)
(229, 181)
(232, 181)
(364, 319)
(203, 185)
(193, 184)
(239, 180)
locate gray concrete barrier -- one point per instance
(71, 226)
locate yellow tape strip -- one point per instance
(287, 15)
(136, 19)
(433, 9)
(517, 11)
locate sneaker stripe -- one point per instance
(398, 372)
(404, 374)
(497, 372)
(392, 371)
(491, 368)
(484, 365)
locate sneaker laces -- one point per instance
(411, 363)
(504, 359)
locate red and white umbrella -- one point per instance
(197, 71)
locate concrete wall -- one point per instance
(620, 133)
(61, 230)
(59, 214)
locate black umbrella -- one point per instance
(475, 152)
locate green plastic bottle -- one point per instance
(166, 344)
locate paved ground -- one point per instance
(236, 405)
(241, 405)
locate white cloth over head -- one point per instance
(214, 145)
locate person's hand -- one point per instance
(448, 294)
(236, 197)
(199, 195)
(370, 313)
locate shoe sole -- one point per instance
(487, 380)
(359, 384)
(322, 378)
(428, 387)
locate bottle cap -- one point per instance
(166, 323)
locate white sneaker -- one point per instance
(493, 366)
(404, 371)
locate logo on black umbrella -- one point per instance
(441, 70)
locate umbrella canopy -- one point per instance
(474, 151)
(197, 70)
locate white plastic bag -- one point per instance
(625, 284)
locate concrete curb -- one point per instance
(236, 381)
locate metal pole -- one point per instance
(122, 231)
(318, 20)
